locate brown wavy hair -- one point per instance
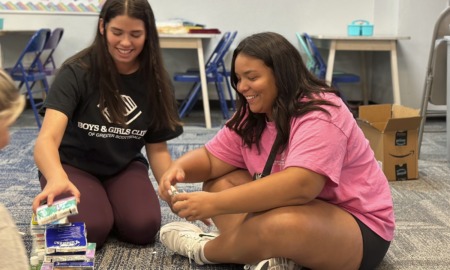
(103, 72)
(11, 101)
(293, 81)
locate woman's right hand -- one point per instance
(170, 178)
(53, 189)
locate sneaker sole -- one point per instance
(180, 226)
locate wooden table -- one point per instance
(362, 43)
(192, 41)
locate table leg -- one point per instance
(364, 80)
(448, 100)
(204, 83)
(394, 73)
(330, 64)
(448, 115)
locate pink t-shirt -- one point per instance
(331, 145)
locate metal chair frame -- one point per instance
(321, 66)
(216, 72)
(435, 87)
(50, 46)
(28, 73)
(310, 62)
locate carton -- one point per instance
(392, 131)
(60, 209)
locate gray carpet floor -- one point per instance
(422, 238)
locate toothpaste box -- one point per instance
(68, 266)
(73, 265)
(36, 229)
(46, 214)
(47, 266)
(68, 238)
(83, 256)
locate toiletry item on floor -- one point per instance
(46, 214)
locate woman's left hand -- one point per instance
(195, 206)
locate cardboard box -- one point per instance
(392, 131)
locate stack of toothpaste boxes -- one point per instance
(57, 243)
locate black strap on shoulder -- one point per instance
(270, 159)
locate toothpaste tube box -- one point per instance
(37, 230)
(69, 238)
(83, 256)
(73, 265)
(47, 266)
(46, 214)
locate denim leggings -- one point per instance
(125, 204)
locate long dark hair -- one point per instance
(293, 81)
(104, 74)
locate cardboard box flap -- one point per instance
(410, 123)
(380, 126)
(399, 111)
(375, 113)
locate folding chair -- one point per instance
(436, 74)
(28, 70)
(320, 68)
(49, 48)
(216, 72)
(310, 62)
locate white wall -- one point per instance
(79, 31)
(414, 18)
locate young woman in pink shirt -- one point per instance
(320, 199)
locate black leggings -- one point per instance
(125, 203)
(374, 247)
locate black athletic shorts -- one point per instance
(374, 247)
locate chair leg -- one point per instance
(184, 106)
(189, 101)
(29, 92)
(230, 93)
(183, 103)
(45, 87)
(222, 100)
(195, 99)
(34, 106)
(423, 111)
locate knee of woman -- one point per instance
(139, 232)
(232, 179)
(98, 232)
(278, 221)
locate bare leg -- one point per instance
(317, 235)
(233, 179)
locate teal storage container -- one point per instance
(360, 28)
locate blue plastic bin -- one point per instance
(360, 28)
(367, 30)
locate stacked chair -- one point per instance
(34, 65)
(29, 73)
(216, 72)
(50, 46)
(311, 64)
(319, 67)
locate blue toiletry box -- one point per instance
(360, 28)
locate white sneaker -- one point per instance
(185, 239)
(274, 264)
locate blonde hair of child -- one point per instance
(12, 102)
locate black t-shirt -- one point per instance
(92, 144)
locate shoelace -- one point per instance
(276, 263)
(191, 244)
